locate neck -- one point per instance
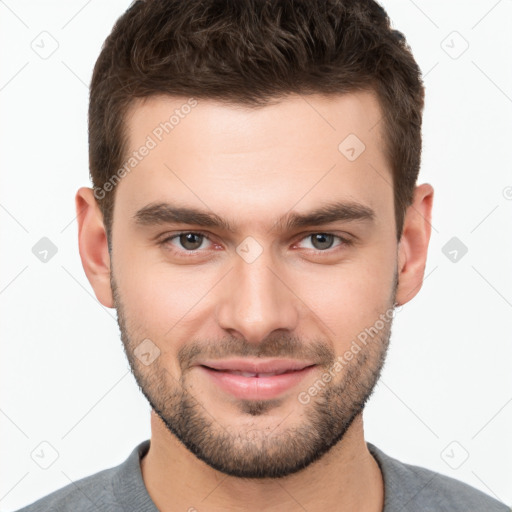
(347, 478)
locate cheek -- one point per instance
(155, 293)
(160, 298)
(350, 297)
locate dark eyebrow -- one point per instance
(331, 212)
(165, 213)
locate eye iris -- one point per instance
(324, 240)
(188, 238)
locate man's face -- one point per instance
(265, 289)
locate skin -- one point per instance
(296, 300)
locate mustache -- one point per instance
(321, 352)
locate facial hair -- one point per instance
(247, 451)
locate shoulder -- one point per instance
(408, 487)
(114, 489)
(88, 494)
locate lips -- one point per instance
(258, 367)
(251, 374)
(256, 379)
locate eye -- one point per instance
(323, 241)
(191, 243)
(187, 241)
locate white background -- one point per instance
(64, 377)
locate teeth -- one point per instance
(249, 374)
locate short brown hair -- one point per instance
(252, 52)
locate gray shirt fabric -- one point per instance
(407, 488)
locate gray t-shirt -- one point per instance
(406, 488)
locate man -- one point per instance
(255, 220)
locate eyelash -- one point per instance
(190, 254)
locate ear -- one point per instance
(413, 246)
(92, 243)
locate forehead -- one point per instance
(302, 150)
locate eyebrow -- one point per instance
(166, 213)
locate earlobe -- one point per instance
(92, 243)
(413, 246)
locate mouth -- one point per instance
(256, 380)
(252, 374)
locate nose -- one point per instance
(257, 300)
